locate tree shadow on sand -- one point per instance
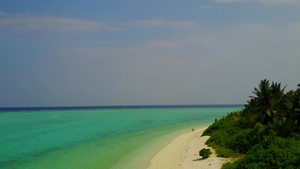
(199, 159)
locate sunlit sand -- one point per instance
(183, 153)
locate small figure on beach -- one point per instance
(193, 129)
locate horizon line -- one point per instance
(116, 107)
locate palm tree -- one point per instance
(269, 102)
(280, 101)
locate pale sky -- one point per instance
(93, 53)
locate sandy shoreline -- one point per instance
(183, 153)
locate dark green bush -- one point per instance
(241, 142)
(277, 153)
(231, 123)
(205, 153)
(219, 138)
(283, 128)
(245, 139)
(223, 135)
(223, 152)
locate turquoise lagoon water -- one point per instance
(94, 138)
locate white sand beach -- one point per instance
(183, 153)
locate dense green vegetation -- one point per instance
(205, 153)
(265, 134)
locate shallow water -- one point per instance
(99, 138)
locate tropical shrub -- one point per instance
(241, 142)
(205, 153)
(222, 151)
(219, 138)
(231, 123)
(277, 153)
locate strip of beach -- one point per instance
(183, 153)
